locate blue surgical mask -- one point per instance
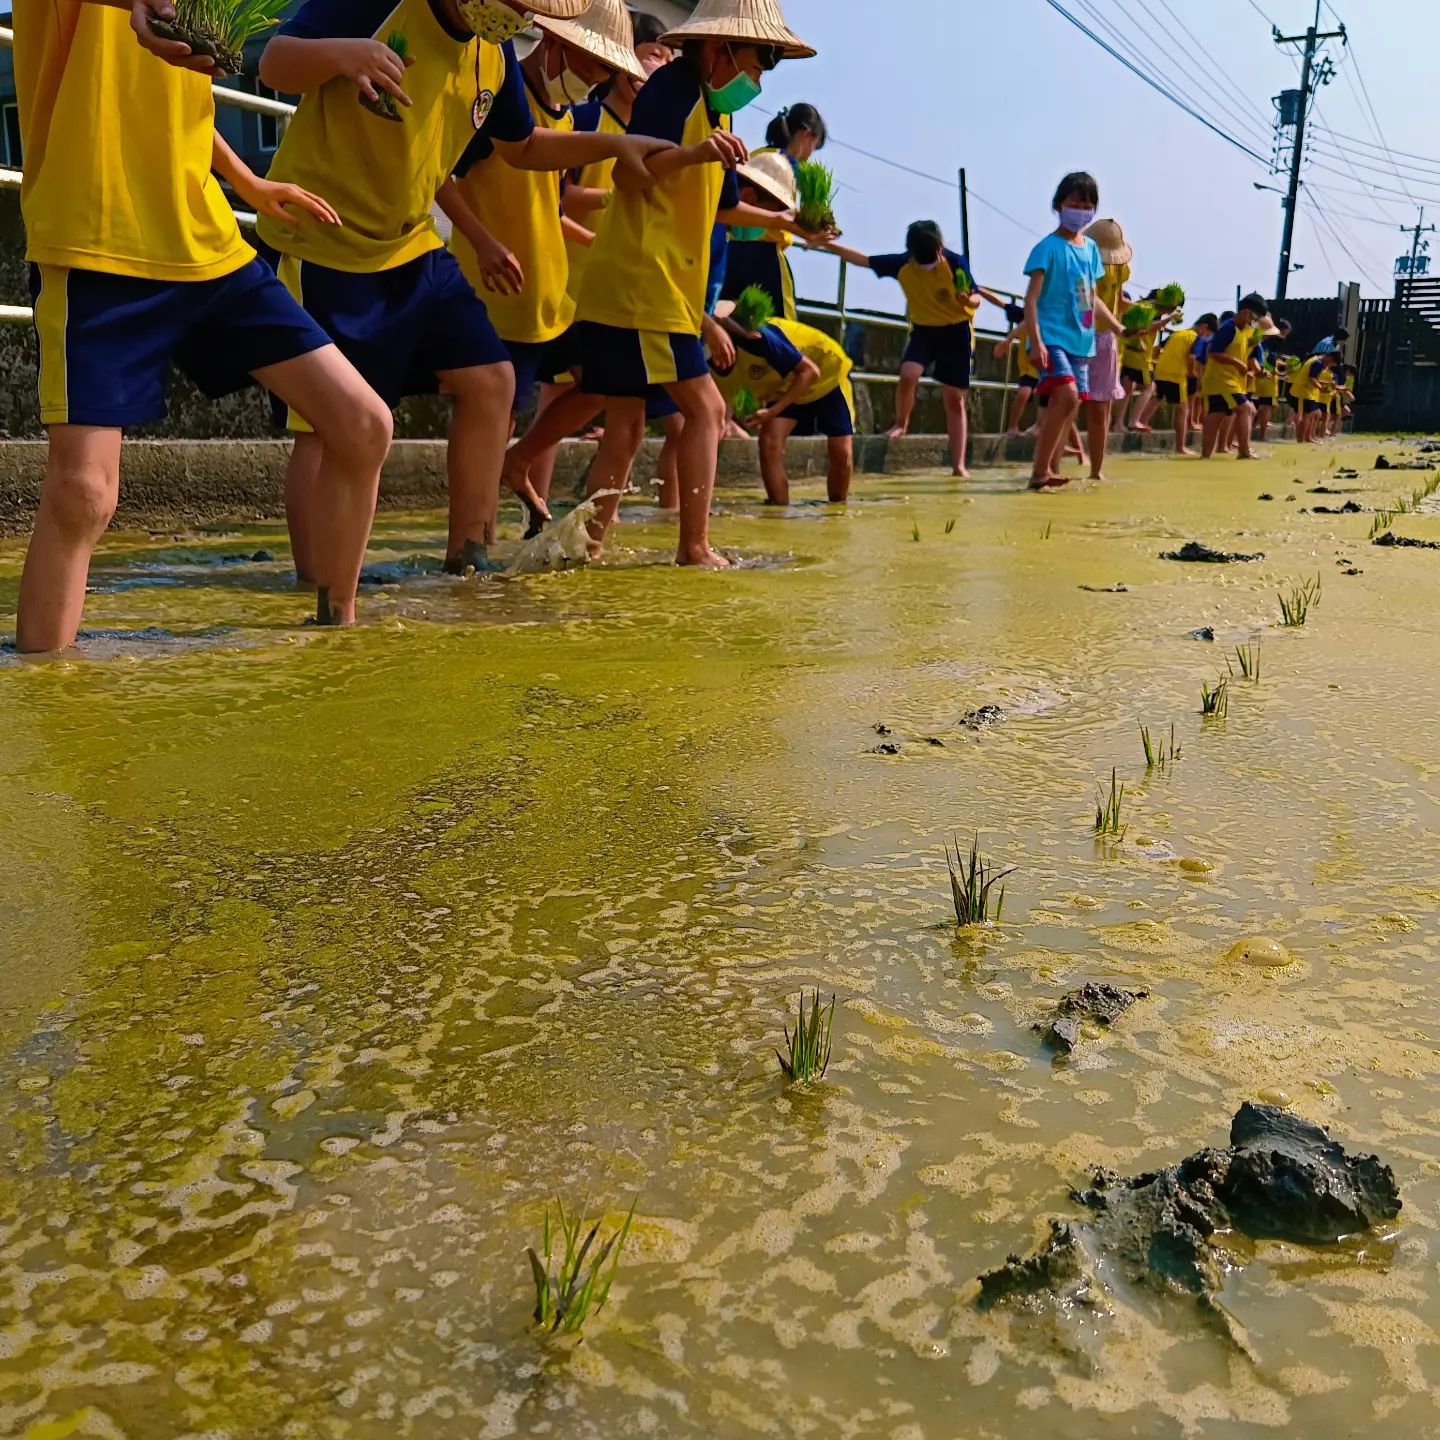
(1075, 219)
(730, 99)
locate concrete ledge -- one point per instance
(170, 483)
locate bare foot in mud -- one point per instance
(471, 559)
(1187, 452)
(1048, 482)
(960, 473)
(702, 557)
(326, 617)
(897, 432)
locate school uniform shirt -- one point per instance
(1111, 285)
(1266, 383)
(1221, 379)
(932, 295)
(382, 175)
(1066, 307)
(1316, 383)
(118, 146)
(592, 118)
(765, 362)
(521, 208)
(1024, 364)
(1139, 352)
(649, 268)
(1173, 363)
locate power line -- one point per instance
(1370, 145)
(1170, 95)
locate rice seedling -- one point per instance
(816, 185)
(808, 1047)
(1170, 297)
(972, 883)
(1138, 317)
(1108, 811)
(567, 1290)
(385, 105)
(1215, 703)
(950, 526)
(1048, 531)
(219, 29)
(1249, 658)
(745, 406)
(915, 531)
(754, 308)
(1157, 757)
(1297, 603)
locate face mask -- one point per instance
(492, 22)
(743, 233)
(734, 97)
(1076, 220)
(566, 88)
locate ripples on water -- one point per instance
(327, 959)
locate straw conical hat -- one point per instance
(604, 31)
(757, 21)
(772, 173)
(555, 9)
(1108, 235)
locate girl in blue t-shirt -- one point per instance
(1061, 313)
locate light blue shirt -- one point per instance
(1067, 298)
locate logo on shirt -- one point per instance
(484, 104)
(757, 372)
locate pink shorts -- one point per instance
(1105, 369)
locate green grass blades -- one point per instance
(816, 186)
(807, 1054)
(1109, 810)
(973, 885)
(754, 308)
(386, 106)
(1297, 603)
(1248, 657)
(568, 1290)
(1215, 703)
(219, 28)
(744, 405)
(1170, 297)
(1158, 756)
(1405, 505)
(950, 526)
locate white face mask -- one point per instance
(493, 22)
(566, 88)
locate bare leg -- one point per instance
(1244, 423)
(1097, 426)
(542, 470)
(1059, 417)
(1128, 386)
(1143, 407)
(1262, 420)
(773, 438)
(957, 424)
(1147, 411)
(1213, 431)
(1182, 429)
(619, 445)
(840, 454)
(1017, 411)
(302, 478)
(474, 457)
(667, 468)
(905, 398)
(82, 488)
(570, 412)
(699, 449)
(352, 428)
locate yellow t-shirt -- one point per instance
(598, 175)
(1024, 365)
(931, 294)
(1221, 379)
(118, 147)
(1138, 353)
(1173, 364)
(381, 175)
(650, 264)
(521, 208)
(1110, 285)
(835, 365)
(758, 368)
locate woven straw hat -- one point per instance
(757, 21)
(1108, 235)
(604, 31)
(771, 172)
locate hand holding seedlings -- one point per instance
(371, 64)
(172, 52)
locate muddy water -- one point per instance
(326, 959)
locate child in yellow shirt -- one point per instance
(136, 261)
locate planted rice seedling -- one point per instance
(219, 29)
(972, 883)
(1157, 757)
(808, 1047)
(950, 526)
(567, 1289)
(816, 185)
(1108, 812)
(1049, 530)
(386, 106)
(915, 531)
(1249, 658)
(744, 405)
(1215, 703)
(1297, 602)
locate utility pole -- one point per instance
(1417, 245)
(1312, 77)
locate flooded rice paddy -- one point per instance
(327, 959)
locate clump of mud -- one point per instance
(1192, 552)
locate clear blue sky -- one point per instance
(1018, 96)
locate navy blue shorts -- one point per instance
(629, 364)
(401, 327)
(1226, 404)
(660, 406)
(1168, 391)
(830, 416)
(944, 350)
(1315, 407)
(106, 342)
(541, 362)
